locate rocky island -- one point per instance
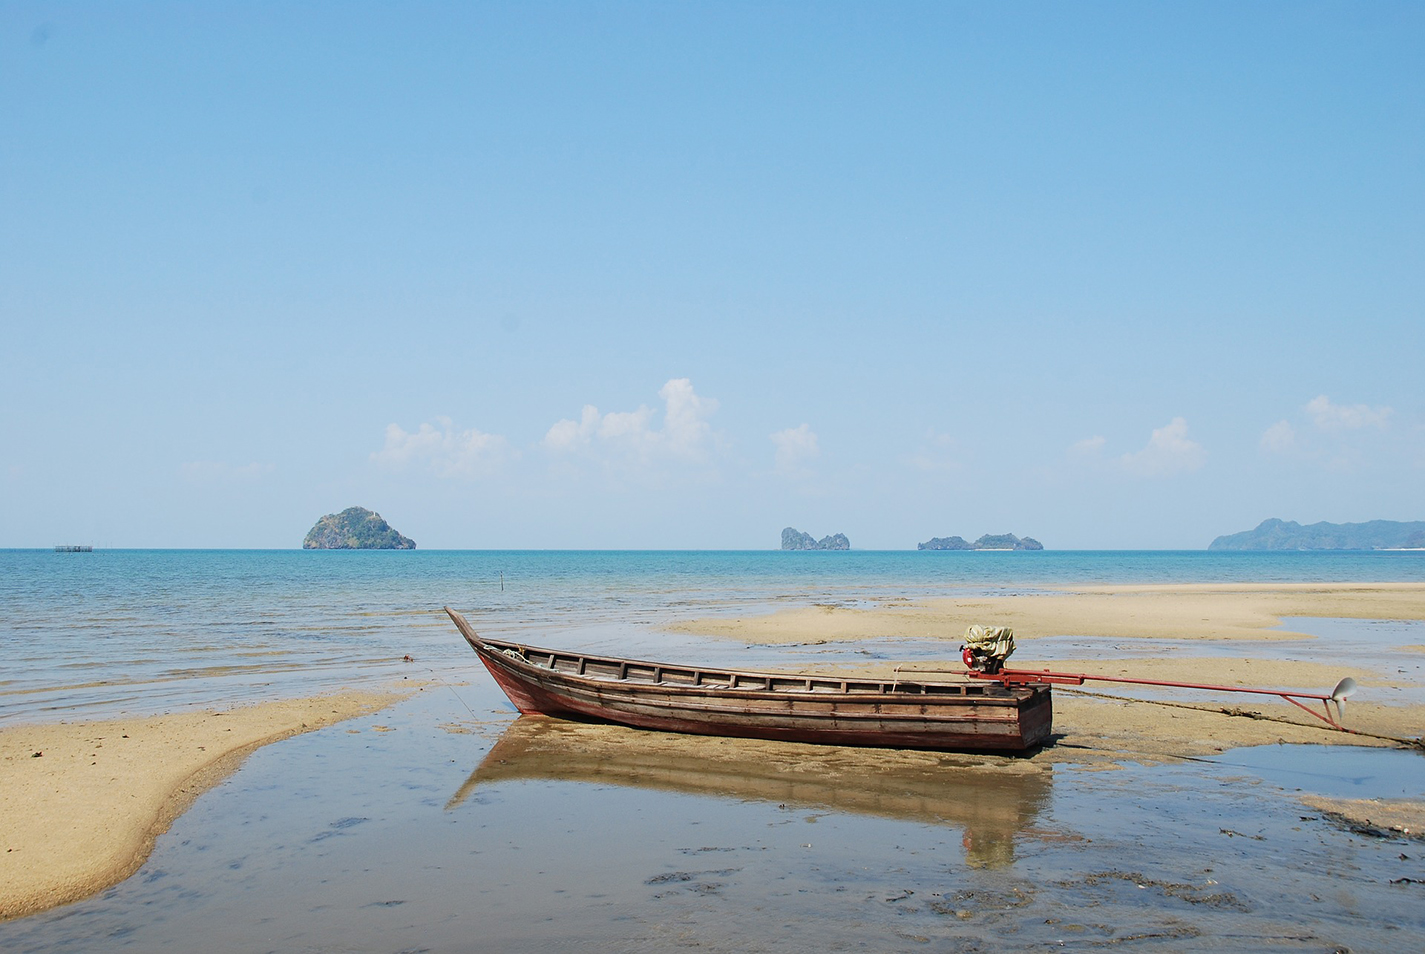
(990, 541)
(355, 528)
(1277, 534)
(794, 539)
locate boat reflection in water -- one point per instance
(992, 799)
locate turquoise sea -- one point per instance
(91, 634)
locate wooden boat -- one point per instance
(960, 714)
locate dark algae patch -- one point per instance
(1159, 890)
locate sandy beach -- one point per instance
(82, 802)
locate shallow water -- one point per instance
(423, 839)
(1336, 771)
(97, 634)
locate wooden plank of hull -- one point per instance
(905, 725)
(978, 717)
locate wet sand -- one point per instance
(1375, 817)
(82, 803)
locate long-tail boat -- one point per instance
(964, 713)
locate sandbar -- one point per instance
(82, 803)
(1202, 611)
(1101, 725)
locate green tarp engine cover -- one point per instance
(987, 647)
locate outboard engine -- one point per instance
(987, 647)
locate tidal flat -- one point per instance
(445, 823)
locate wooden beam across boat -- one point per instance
(952, 714)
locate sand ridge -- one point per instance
(82, 803)
(1220, 611)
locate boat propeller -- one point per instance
(1343, 691)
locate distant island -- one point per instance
(990, 541)
(355, 528)
(794, 539)
(1277, 534)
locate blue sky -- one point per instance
(679, 275)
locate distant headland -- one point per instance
(355, 528)
(990, 541)
(1277, 534)
(794, 539)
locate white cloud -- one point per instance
(1279, 438)
(685, 432)
(216, 471)
(795, 446)
(685, 417)
(1168, 452)
(1345, 417)
(632, 428)
(444, 451)
(566, 435)
(1088, 447)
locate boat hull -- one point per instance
(968, 715)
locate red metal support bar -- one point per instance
(1027, 677)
